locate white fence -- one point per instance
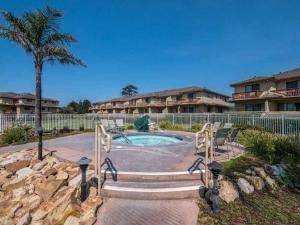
(279, 124)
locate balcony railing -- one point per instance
(141, 104)
(157, 104)
(289, 92)
(246, 95)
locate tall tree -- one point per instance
(129, 90)
(38, 33)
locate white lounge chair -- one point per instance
(120, 124)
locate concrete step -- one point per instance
(153, 176)
(153, 190)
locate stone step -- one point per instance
(153, 190)
(153, 176)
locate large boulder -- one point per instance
(7, 161)
(57, 209)
(46, 188)
(260, 172)
(15, 166)
(25, 219)
(23, 173)
(228, 193)
(61, 175)
(13, 184)
(245, 186)
(72, 220)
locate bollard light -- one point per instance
(215, 168)
(40, 132)
(83, 164)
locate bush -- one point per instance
(65, 129)
(13, 135)
(196, 127)
(287, 149)
(130, 127)
(165, 124)
(259, 143)
(81, 128)
(248, 127)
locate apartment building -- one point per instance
(18, 103)
(181, 100)
(278, 92)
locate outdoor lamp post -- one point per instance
(215, 168)
(83, 163)
(40, 145)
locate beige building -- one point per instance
(181, 100)
(14, 103)
(278, 92)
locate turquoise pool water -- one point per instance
(148, 139)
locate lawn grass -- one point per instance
(261, 207)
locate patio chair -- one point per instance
(120, 124)
(153, 126)
(216, 126)
(112, 127)
(221, 139)
(104, 123)
(228, 125)
(232, 138)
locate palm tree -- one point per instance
(129, 90)
(38, 33)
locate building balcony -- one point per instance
(289, 92)
(102, 107)
(157, 104)
(141, 104)
(246, 95)
(172, 103)
(188, 101)
(118, 107)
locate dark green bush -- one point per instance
(287, 149)
(165, 124)
(196, 127)
(130, 127)
(13, 135)
(65, 129)
(81, 128)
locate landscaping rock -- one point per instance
(61, 175)
(271, 183)
(245, 186)
(227, 191)
(72, 220)
(76, 181)
(25, 220)
(8, 161)
(23, 173)
(19, 193)
(260, 172)
(47, 188)
(15, 166)
(13, 184)
(51, 171)
(257, 182)
(40, 165)
(32, 202)
(58, 208)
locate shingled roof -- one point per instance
(21, 95)
(164, 93)
(295, 73)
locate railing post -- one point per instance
(282, 124)
(253, 122)
(173, 119)
(190, 120)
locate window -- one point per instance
(253, 107)
(27, 108)
(288, 107)
(178, 97)
(252, 87)
(191, 95)
(293, 84)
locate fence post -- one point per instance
(190, 120)
(173, 119)
(282, 124)
(253, 122)
(207, 118)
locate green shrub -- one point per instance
(165, 124)
(287, 149)
(259, 143)
(196, 127)
(81, 128)
(130, 127)
(13, 135)
(65, 129)
(248, 127)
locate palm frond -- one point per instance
(15, 37)
(55, 53)
(60, 39)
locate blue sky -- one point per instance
(158, 45)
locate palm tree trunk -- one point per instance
(38, 95)
(38, 105)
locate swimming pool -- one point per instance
(148, 139)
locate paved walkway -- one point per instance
(148, 212)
